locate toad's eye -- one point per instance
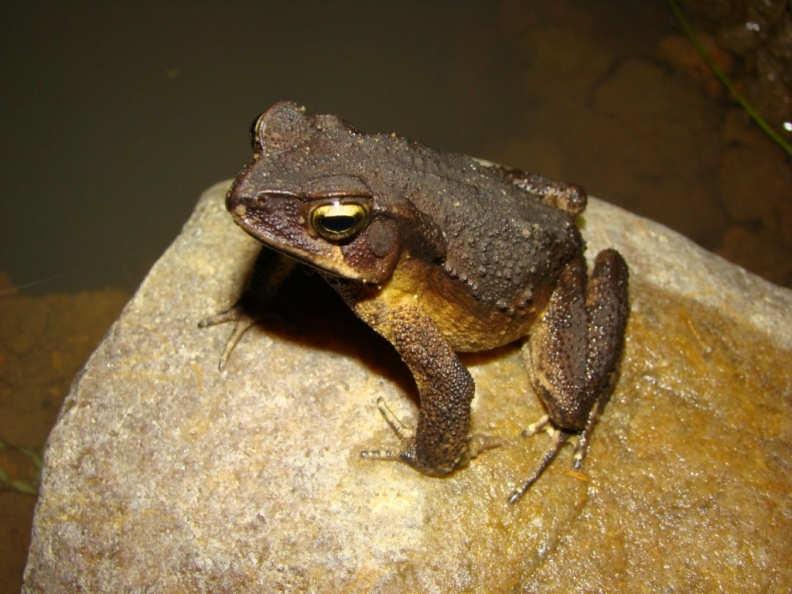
(339, 221)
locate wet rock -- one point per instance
(755, 179)
(680, 53)
(163, 474)
(759, 33)
(669, 178)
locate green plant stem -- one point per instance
(23, 487)
(7, 483)
(726, 81)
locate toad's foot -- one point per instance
(559, 438)
(477, 443)
(243, 322)
(269, 273)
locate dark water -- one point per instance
(117, 115)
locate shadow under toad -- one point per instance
(305, 310)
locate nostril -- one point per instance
(235, 199)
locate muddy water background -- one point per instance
(116, 118)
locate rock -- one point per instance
(639, 104)
(44, 340)
(680, 53)
(560, 63)
(755, 178)
(163, 474)
(759, 34)
(755, 181)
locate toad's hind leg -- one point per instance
(574, 350)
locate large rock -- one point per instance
(164, 474)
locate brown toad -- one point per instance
(440, 254)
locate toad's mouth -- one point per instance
(281, 228)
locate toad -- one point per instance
(440, 254)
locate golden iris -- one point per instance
(338, 221)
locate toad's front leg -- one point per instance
(442, 440)
(269, 273)
(574, 351)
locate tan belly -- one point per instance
(466, 323)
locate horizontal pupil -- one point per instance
(338, 223)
